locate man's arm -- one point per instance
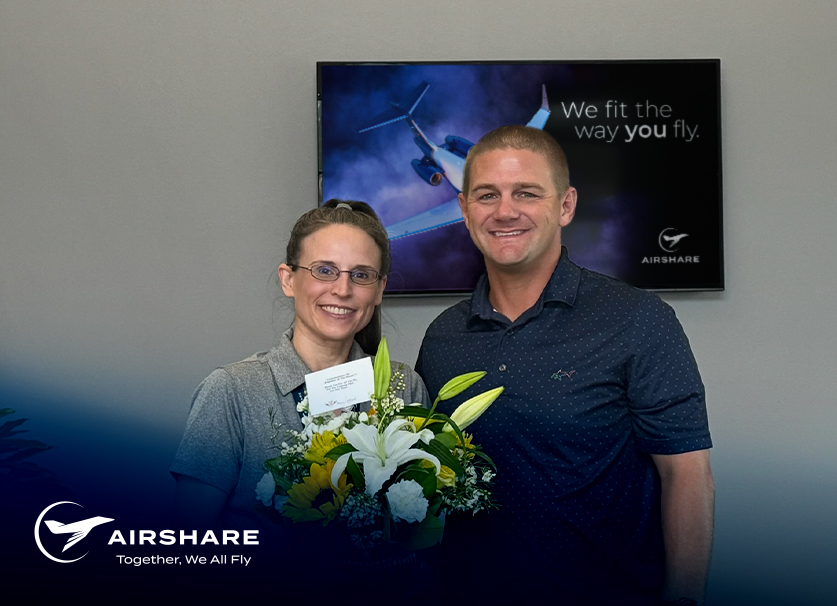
(688, 509)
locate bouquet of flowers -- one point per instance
(386, 475)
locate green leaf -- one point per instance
(7, 427)
(486, 458)
(428, 484)
(430, 415)
(25, 454)
(274, 464)
(382, 369)
(435, 447)
(336, 452)
(413, 411)
(14, 433)
(457, 385)
(424, 534)
(446, 438)
(452, 427)
(283, 483)
(435, 504)
(6, 411)
(9, 445)
(356, 474)
(414, 471)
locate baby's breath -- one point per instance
(470, 493)
(360, 510)
(391, 404)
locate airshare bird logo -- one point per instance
(669, 239)
(77, 530)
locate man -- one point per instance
(600, 438)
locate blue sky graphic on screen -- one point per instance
(642, 140)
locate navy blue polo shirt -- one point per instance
(598, 376)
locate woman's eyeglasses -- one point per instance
(329, 273)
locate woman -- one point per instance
(335, 270)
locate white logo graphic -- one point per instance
(78, 529)
(669, 239)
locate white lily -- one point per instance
(382, 453)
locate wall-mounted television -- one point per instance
(642, 138)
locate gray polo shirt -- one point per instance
(227, 437)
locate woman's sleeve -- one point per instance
(212, 446)
(414, 392)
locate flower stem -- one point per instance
(430, 414)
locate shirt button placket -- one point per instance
(502, 366)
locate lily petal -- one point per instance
(381, 454)
(342, 462)
(397, 439)
(376, 473)
(363, 437)
(414, 454)
(339, 467)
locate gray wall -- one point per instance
(153, 156)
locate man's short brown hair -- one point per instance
(521, 137)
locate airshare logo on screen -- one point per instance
(79, 529)
(670, 241)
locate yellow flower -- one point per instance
(301, 497)
(446, 477)
(467, 446)
(419, 421)
(321, 445)
(322, 473)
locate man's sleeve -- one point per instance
(665, 389)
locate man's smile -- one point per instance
(505, 234)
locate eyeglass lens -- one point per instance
(329, 273)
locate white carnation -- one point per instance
(406, 501)
(265, 489)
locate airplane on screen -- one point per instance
(439, 163)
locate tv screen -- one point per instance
(642, 140)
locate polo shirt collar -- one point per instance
(562, 287)
(288, 368)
